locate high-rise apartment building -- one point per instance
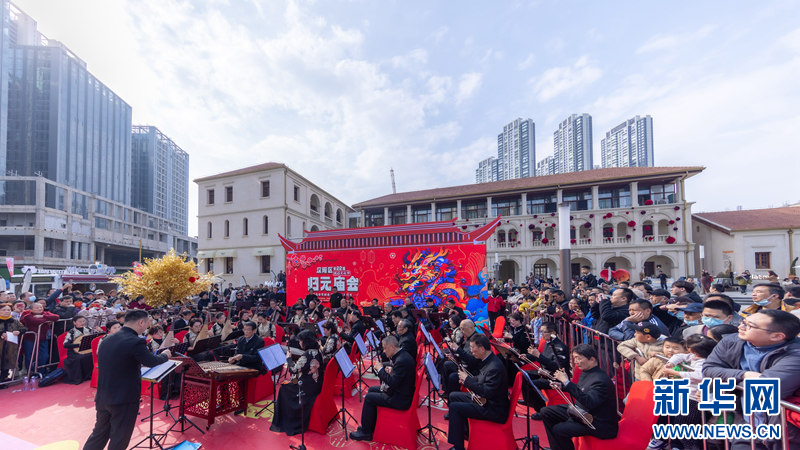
(572, 144)
(516, 150)
(516, 154)
(629, 144)
(161, 173)
(547, 166)
(486, 171)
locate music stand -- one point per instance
(375, 345)
(372, 311)
(175, 349)
(346, 367)
(434, 385)
(209, 343)
(380, 325)
(273, 357)
(362, 348)
(86, 342)
(154, 375)
(531, 442)
(418, 314)
(431, 397)
(320, 324)
(182, 419)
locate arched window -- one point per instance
(266, 225)
(227, 230)
(244, 226)
(209, 230)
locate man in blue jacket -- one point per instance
(765, 347)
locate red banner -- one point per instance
(390, 274)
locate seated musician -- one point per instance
(299, 314)
(519, 335)
(463, 350)
(594, 393)
(330, 341)
(353, 326)
(307, 371)
(113, 327)
(246, 353)
(219, 324)
(78, 367)
(155, 337)
(396, 390)
(555, 356)
(265, 327)
(407, 339)
(388, 308)
(350, 304)
(314, 312)
(394, 318)
(244, 316)
(489, 382)
(195, 327)
(182, 323)
(451, 308)
(274, 312)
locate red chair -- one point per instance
(278, 333)
(324, 409)
(62, 352)
(499, 327)
(259, 388)
(399, 427)
(180, 335)
(95, 344)
(484, 434)
(636, 425)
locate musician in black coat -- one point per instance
(399, 379)
(119, 383)
(553, 357)
(247, 349)
(490, 383)
(463, 351)
(594, 393)
(406, 338)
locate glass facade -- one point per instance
(614, 197)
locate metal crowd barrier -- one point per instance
(572, 333)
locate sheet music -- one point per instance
(157, 372)
(426, 333)
(272, 356)
(432, 372)
(12, 338)
(320, 324)
(343, 360)
(438, 350)
(362, 347)
(372, 340)
(379, 323)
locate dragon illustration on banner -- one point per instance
(427, 274)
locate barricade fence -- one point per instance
(622, 373)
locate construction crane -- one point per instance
(394, 188)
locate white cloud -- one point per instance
(527, 62)
(468, 85)
(664, 42)
(558, 80)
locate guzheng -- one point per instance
(215, 388)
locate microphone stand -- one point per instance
(300, 394)
(529, 442)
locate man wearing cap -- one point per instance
(714, 312)
(690, 314)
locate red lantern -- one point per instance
(632, 223)
(648, 202)
(192, 279)
(156, 283)
(670, 240)
(545, 240)
(572, 241)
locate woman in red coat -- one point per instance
(494, 305)
(34, 320)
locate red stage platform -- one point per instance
(63, 412)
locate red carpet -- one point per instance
(62, 412)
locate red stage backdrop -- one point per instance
(429, 260)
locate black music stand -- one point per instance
(372, 311)
(375, 346)
(429, 431)
(531, 442)
(431, 397)
(175, 349)
(206, 344)
(346, 367)
(154, 375)
(182, 419)
(86, 342)
(362, 348)
(273, 357)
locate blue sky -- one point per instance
(343, 90)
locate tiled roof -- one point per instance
(753, 219)
(242, 171)
(530, 183)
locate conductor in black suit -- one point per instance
(247, 349)
(490, 383)
(594, 393)
(119, 383)
(399, 379)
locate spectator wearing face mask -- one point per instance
(715, 312)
